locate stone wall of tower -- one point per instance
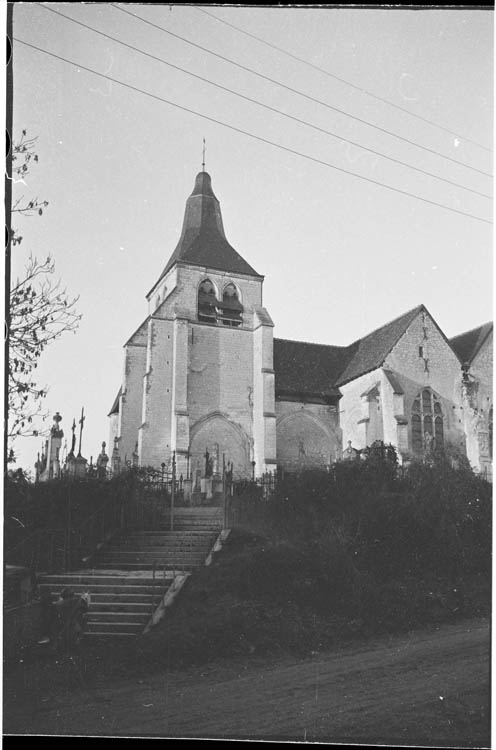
(154, 445)
(199, 382)
(131, 399)
(220, 385)
(264, 414)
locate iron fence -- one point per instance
(247, 500)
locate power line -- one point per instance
(261, 104)
(250, 135)
(342, 80)
(300, 93)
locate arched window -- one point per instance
(207, 302)
(427, 422)
(231, 308)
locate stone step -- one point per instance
(151, 548)
(117, 617)
(108, 590)
(190, 519)
(168, 565)
(126, 598)
(195, 510)
(111, 576)
(201, 540)
(162, 534)
(95, 635)
(108, 605)
(112, 628)
(150, 554)
(154, 554)
(211, 531)
(116, 559)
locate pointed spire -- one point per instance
(203, 241)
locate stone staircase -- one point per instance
(133, 573)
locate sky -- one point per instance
(341, 253)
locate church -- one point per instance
(204, 376)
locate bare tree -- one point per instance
(40, 312)
(23, 154)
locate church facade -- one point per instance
(204, 376)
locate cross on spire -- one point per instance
(203, 162)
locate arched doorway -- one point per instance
(224, 440)
(304, 443)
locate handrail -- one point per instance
(33, 534)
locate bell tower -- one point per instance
(199, 375)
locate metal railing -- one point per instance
(43, 550)
(245, 498)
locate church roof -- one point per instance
(369, 353)
(203, 241)
(467, 345)
(308, 369)
(304, 369)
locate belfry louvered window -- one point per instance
(427, 422)
(230, 308)
(207, 302)
(227, 312)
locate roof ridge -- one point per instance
(312, 343)
(471, 330)
(416, 309)
(364, 359)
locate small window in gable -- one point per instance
(231, 308)
(207, 302)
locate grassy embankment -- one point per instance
(334, 556)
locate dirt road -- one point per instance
(427, 688)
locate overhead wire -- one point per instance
(263, 105)
(300, 93)
(363, 90)
(248, 134)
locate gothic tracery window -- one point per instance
(427, 422)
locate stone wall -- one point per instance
(131, 400)
(197, 372)
(477, 394)
(421, 358)
(439, 369)
(155, 432)
(354, 411)
(220, 383)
